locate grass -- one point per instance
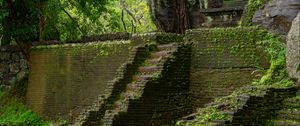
(14, 112)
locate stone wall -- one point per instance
(13, 65)
(64, 79)
(223, 60)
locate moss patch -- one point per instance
(103, 48)
(226, 48)
(169, 38)
(252, 6)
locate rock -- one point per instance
(293, 49)
(14, 68)
(5, 56)
(277, 15)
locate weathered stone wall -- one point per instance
(222, 61)
(64, 79)
(13, 65)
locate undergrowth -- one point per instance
(15, 113)
(276, 75)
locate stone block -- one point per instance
(293, 50)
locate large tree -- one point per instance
(176, 15)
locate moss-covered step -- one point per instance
(290, 114)
(135, 89)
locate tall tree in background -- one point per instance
(170, 15)
(176, 16)
(136, 16)
(19, 21)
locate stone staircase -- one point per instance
(290, 114)
(130, 89)
(150, 69)
(93, 114)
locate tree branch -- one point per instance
(129, 12)
(124, 25)
(73, 20)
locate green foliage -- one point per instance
(21, 21)
(205, 115)
(252, 6)
(70, 20)
(13, 112)
(209, 114)
(275, 48)
(137, 17)
(66, 20)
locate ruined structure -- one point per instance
(209, 76)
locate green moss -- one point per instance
(207, 114)
(252, 6)
(102, 48)
(168, 38)
(237, 43)
(211, 113)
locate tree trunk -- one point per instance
(175, 16)
(170, 15)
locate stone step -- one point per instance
(286, 123)
(160, 54)
(166, 46)
(154, 60)
(141, 77)
(292, 102)
(149, 69)
(292, 114)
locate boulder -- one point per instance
(293, 49)
(277, 15)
